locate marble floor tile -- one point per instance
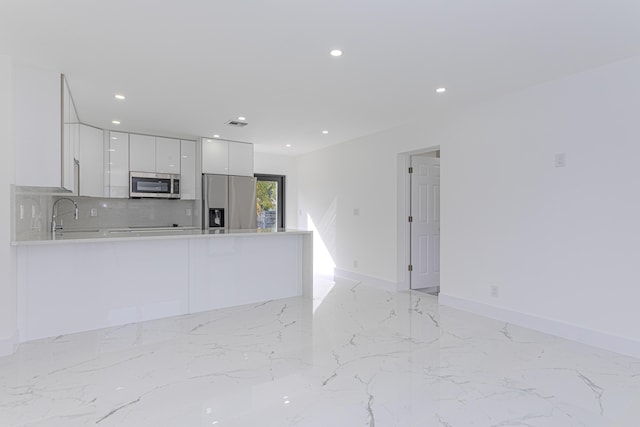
(355, 355)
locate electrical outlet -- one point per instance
(356, 211)
(93, 212)
(560, 160)
(494, 291)
(355, 263)
(188, 212)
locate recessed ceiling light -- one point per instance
(111, 149)
(336, 52)
(115, 122)
(325, 132)
(216, 136)
(119, 96)
(288, 145)
(242, 118)
(114, 137)
(441, 90)
(184, 157)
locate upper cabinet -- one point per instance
(167, 155)
(91, 155)
(215, 156)
(38, 128)
(188, 186)
(142, 153)
(70, 141)
(226, 157)
(240, 159)
(154, 154)
(118, 164)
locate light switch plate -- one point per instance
(560, 160)
(94, 212)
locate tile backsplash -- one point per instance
(32, 213)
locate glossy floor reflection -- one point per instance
(356, 356)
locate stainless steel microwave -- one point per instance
(154, 185)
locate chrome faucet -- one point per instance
(54, 212)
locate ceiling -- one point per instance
(186, 67)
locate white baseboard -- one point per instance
(376, 281)
(9, 345)
(552, 327)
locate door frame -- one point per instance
(403, 234)
(281, 180)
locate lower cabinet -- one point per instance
(104, 285)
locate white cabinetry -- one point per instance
(91, 155)
(215, 156)
(154, 154)
(167, 155)
(118, 164)
(227, 158)
(37, 127)
(70, 141)
(188, 170)
(142, 152)
(240, 159)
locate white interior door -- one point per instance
(425, 225)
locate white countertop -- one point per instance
(151, 233)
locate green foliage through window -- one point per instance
(266, 196)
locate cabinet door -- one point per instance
(215, 156)
(167, 155)
(142, 151)
(188, 170)
(91, 161)
(240, 159)
(37, 127)
(67, 139)
(118, 164)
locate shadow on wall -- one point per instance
(324, 240)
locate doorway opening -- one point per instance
(424, 221)
(270, 201)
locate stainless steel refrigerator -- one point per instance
(228, 202)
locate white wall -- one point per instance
(560, 243)
(274, 164)
(356, 175)
(8, 325)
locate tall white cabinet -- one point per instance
(188, 184)
(46, 130)
(91, 154)
(118, 164)
(37, 127)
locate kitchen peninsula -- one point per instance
(99, 279)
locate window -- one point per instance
(270, 201)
